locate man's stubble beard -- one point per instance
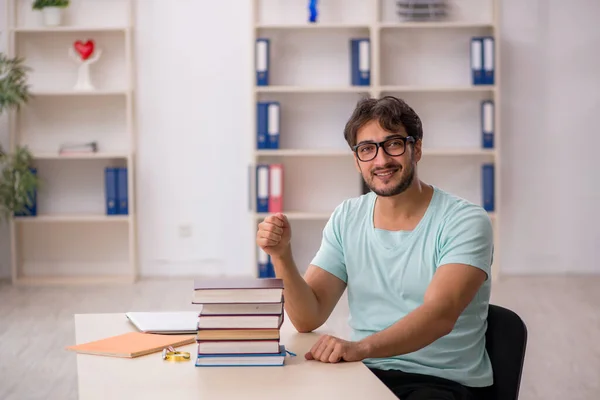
(404, 183)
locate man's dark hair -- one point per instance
(391, 112)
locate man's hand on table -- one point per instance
(330, 349)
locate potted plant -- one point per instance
(18, 184)
(18, 180)
(52, 10)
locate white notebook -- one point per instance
(174, 322)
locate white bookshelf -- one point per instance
(72, 239)
(425, 63)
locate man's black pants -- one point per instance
(423, 387)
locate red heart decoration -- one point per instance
(86, 49)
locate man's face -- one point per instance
(385, 175)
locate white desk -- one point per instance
(149, 377)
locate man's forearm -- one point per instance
(301, 304)
(418, 329)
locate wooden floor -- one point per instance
(562, 314)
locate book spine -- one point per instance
(262, 56)
(488, 187)
(360, 61)
(122, 192)
(110, 190)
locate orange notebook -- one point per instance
(132, 344)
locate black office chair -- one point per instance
(506, 341)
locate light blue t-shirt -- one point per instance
(388, 272)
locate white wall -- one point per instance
(194, 136)
(550, 104)
(194, 86)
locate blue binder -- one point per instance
(263, 264)
(273, 126)
(270, 268)
(110, 190)
(268, 114)
(262, 188)
(31, 209)
(261, 125)
(262, 59)
(487, 189)
(477, 60)
(488, 60)
(360, 61)
(122, 195)
(487, 124)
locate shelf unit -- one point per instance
(426, 63)
(72, 239)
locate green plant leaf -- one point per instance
(19, 182)
(39, 4)
(14, 90)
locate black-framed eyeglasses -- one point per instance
(395, 146)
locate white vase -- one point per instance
(52, 16)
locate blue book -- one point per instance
(360, 61)
(262, 59)
(110, 190)
(268, 113)
(262, 188)
(477, 60)
(242, 359)
(487, 124)
(488, 60)
(122, 194)
(487, 189)
(30, 210)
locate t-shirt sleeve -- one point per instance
(330, 256)
(468, 238)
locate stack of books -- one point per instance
(239, 323)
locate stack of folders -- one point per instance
(240, 321)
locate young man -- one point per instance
(416, 261)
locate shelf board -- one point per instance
(73, 218)
(434, 24)
(473, 88)
(73, 280)
(309, 26)
(304, 152)
(69, 92)
(299, 216)
(312, 89)
(459, 152)
(348, 153)
(73, 28)
(363, 89)
(79, 156)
